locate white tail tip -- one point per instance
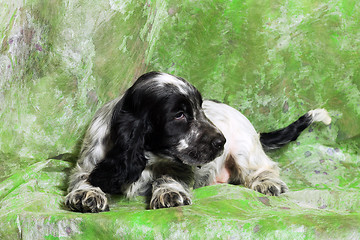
(320, 115)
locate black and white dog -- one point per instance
(160, 139)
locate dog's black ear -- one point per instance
(125, 161)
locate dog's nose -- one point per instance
(218, 142)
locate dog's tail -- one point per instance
(281, 137)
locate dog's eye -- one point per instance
(179, 116)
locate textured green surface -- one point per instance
(273, 60)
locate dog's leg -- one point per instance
(261, 175)
(267, 182)
(206, 175)
(83, 197)
(167, 192)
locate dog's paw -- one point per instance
(269, 184)
(87, 200)
(167, 199)
(271, 187)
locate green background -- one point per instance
(272, 60)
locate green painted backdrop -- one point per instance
(272, 60)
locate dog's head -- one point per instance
(174, 121)
(160, 114)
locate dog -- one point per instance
(161, 139)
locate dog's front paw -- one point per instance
(87, 200)
(167, 199)
(269, 184)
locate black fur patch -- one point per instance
(281, 137)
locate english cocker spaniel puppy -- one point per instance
(160, 139)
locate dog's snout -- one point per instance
(218, 142)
